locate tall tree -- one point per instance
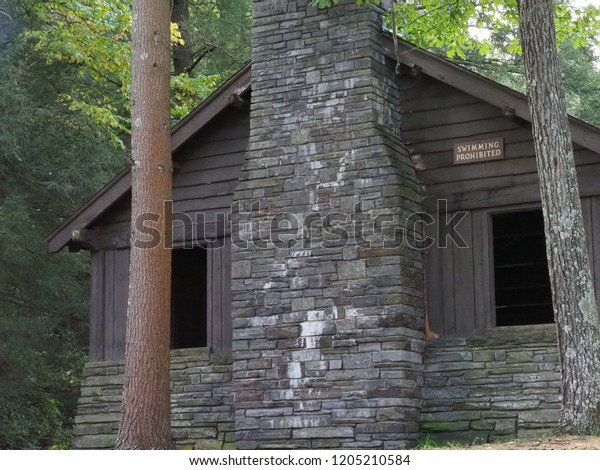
(183, 58)
(146, 415)
(575, 309)
(64, 92)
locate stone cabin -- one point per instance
(300, 297)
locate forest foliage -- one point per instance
(96, 36)
(64, 132)
(64, 104)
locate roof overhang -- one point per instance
(481, 87)
(206, 112)
(429, 64)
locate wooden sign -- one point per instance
(478, 151)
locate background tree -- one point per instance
(96, 36)
(575, 308)
(61, 104)
(183, 56)
(215, 33)
(578, 65)
(44, 176)
(146, 415)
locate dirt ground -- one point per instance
(548, 443)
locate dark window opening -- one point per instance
(188, 299)
(522, 284)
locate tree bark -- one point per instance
(182, 53)
(146, 415)
(575, 309)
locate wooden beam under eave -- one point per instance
(93, 209)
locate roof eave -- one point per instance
(210, 108)
(482, 87)
(430, 64)
(90, 211)
(183, 131)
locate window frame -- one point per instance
(219, 331)
(488, 228)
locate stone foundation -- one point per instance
(485, 389)
(201, 400)
(497, 387)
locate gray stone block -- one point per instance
(101, 441)
(323, 432)
(539, 417)
(351, 269)
(357, 361)
(514, 403)
(505, 426)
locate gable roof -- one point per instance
(206, 112)
(481, 87)
(429, 64)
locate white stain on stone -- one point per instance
(315, 315)
(312, 328)
(342, 169)
(353, 312)
(300, 383)
(306, 355)
(265, 321)
(294, 370)
(299, 253)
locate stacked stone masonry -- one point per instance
(327, 321)
(497, 387)
(485, 389)
(201, 402)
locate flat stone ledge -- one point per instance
(512, 336)
(189, 354)
(500, 337)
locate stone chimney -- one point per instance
(327, 283)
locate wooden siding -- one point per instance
(110, 286)
(460, 284)
(435, 116)
(424, 63)
(209, 166)
(108, 309)
(219, 295)
(460, 281)
(214, 106)
(458, 277)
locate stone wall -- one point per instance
(497, 387)
(201, 401)
(327, 294)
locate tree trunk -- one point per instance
(575, 309)
(146, 415)
(182, 53)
